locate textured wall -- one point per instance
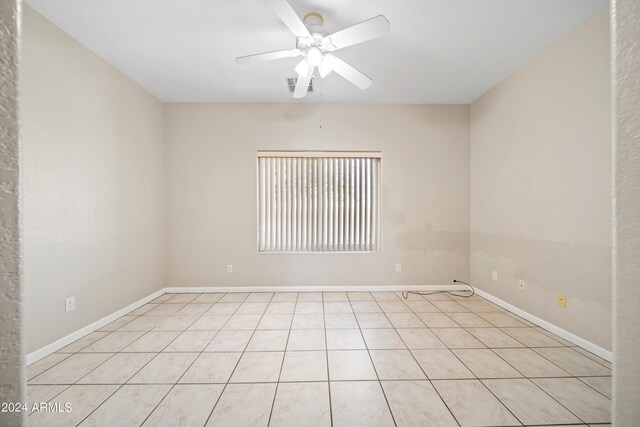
(93, 185)
(211, 192)
(541, 184)
(11, 357)
(626, 389)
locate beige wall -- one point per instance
(541, 184)
(530, 160)
(211, 192)
(93, 185)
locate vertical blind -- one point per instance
(319, 202)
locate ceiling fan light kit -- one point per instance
(315, 45)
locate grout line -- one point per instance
(102, 403)
(343, 349)
(450, 349)
(480, 380)
(284, 355)
(324, 381)
(326, 353)
(540, 388)
(490, 391)
(70, 354)
(487, 388)
(80, 350)
(418, 363)
(569, 375)
(66, 386)
(373, 364)
(355, 315)
(241, 353)
(524, 377)
(595, 357)
(134, 374)
(580, 378)
(173, 386)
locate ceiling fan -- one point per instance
(316, 46)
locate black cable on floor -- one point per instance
(469, 292)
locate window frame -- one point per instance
(374, 154)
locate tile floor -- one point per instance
(321, 359)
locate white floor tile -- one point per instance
(473, 405)
(304, 366)
(129, 406)
(301, 404)
(258, 368)
(186, 405)
(359, 404)
(243, 405)
(293, 359)
(416, 404)
(211, 368)
(350, 365)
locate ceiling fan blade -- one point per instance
(302, 85)
(286, 13)
(267, 56)
(362, 32)
(348, 72)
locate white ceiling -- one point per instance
(439, 51)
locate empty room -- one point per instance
(320, 213)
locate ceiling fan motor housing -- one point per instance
(314, 23)
(312, 47)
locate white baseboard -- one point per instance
(62, 342)
(562, 333)
(374, 288)
(74, 336)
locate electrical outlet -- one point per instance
(522, 285)
(398, 268)
(562, 300)
(229, 268)
(69, 304)
(494, 276)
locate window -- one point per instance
(319, 201)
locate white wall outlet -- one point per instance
(398, 268)
(69, 304)
(522, 285)
(229, 268)
(494, 276)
